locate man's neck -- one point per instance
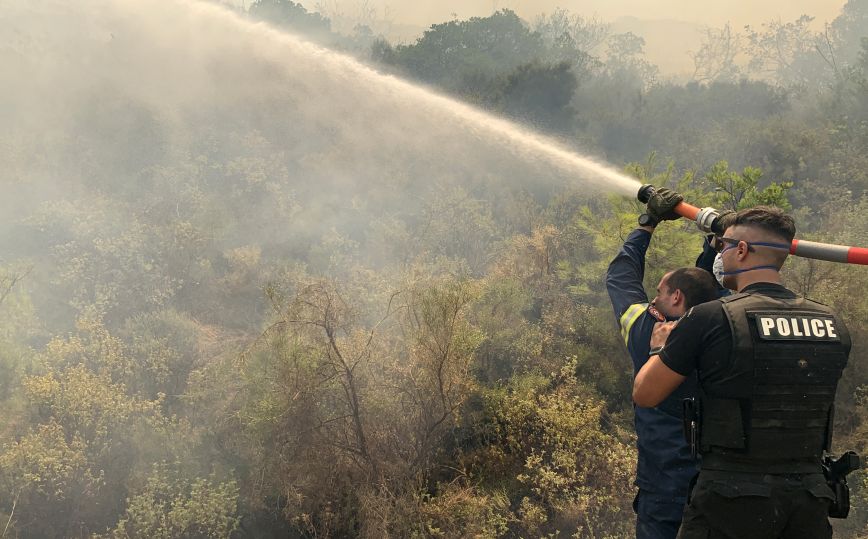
(758, 276)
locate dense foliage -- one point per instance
(205, 336)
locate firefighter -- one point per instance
(665, 465)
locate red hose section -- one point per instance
(857, 255)
(687, 211)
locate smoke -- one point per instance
(149, 139)
(190, 65)
(740, 12)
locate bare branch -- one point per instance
(8, 282)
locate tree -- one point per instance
(9, 277)
(464, 56)
(67, 470)
(363, 406)
(48, 483)
(545, 432)
(170, 506)
(625, 61)
(541, 95)
(587, 35)
(788, 54)
(573, 38)
(846, 32)
(291, 16)
(716, 58)
(736, 191)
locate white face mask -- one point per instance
(717, 269)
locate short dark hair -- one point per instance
(767, 218)
(697, 285)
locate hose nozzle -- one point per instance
(706, 218)
(645, 193)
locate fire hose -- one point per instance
(707, 221)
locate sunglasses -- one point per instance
(719, 244)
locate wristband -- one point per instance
(655, 351)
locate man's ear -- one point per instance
(742, 252)
(678, 297)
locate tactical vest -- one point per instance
(772, 410)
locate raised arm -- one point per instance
(627, 271)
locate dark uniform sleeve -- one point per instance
(629, 300)
(705, 260)
(688, 338)
(627, 271)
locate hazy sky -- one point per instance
(712, 12)
(672, 29)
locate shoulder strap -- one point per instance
(734, 297)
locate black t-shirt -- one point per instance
(702, 339)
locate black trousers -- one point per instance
(726, 505)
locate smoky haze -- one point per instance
(189, 68)
(128, 90)
(253, 287)
(739, 13)
(672, 29)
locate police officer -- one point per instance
(768, 362)
(665, 465)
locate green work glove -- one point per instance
(662, 203)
